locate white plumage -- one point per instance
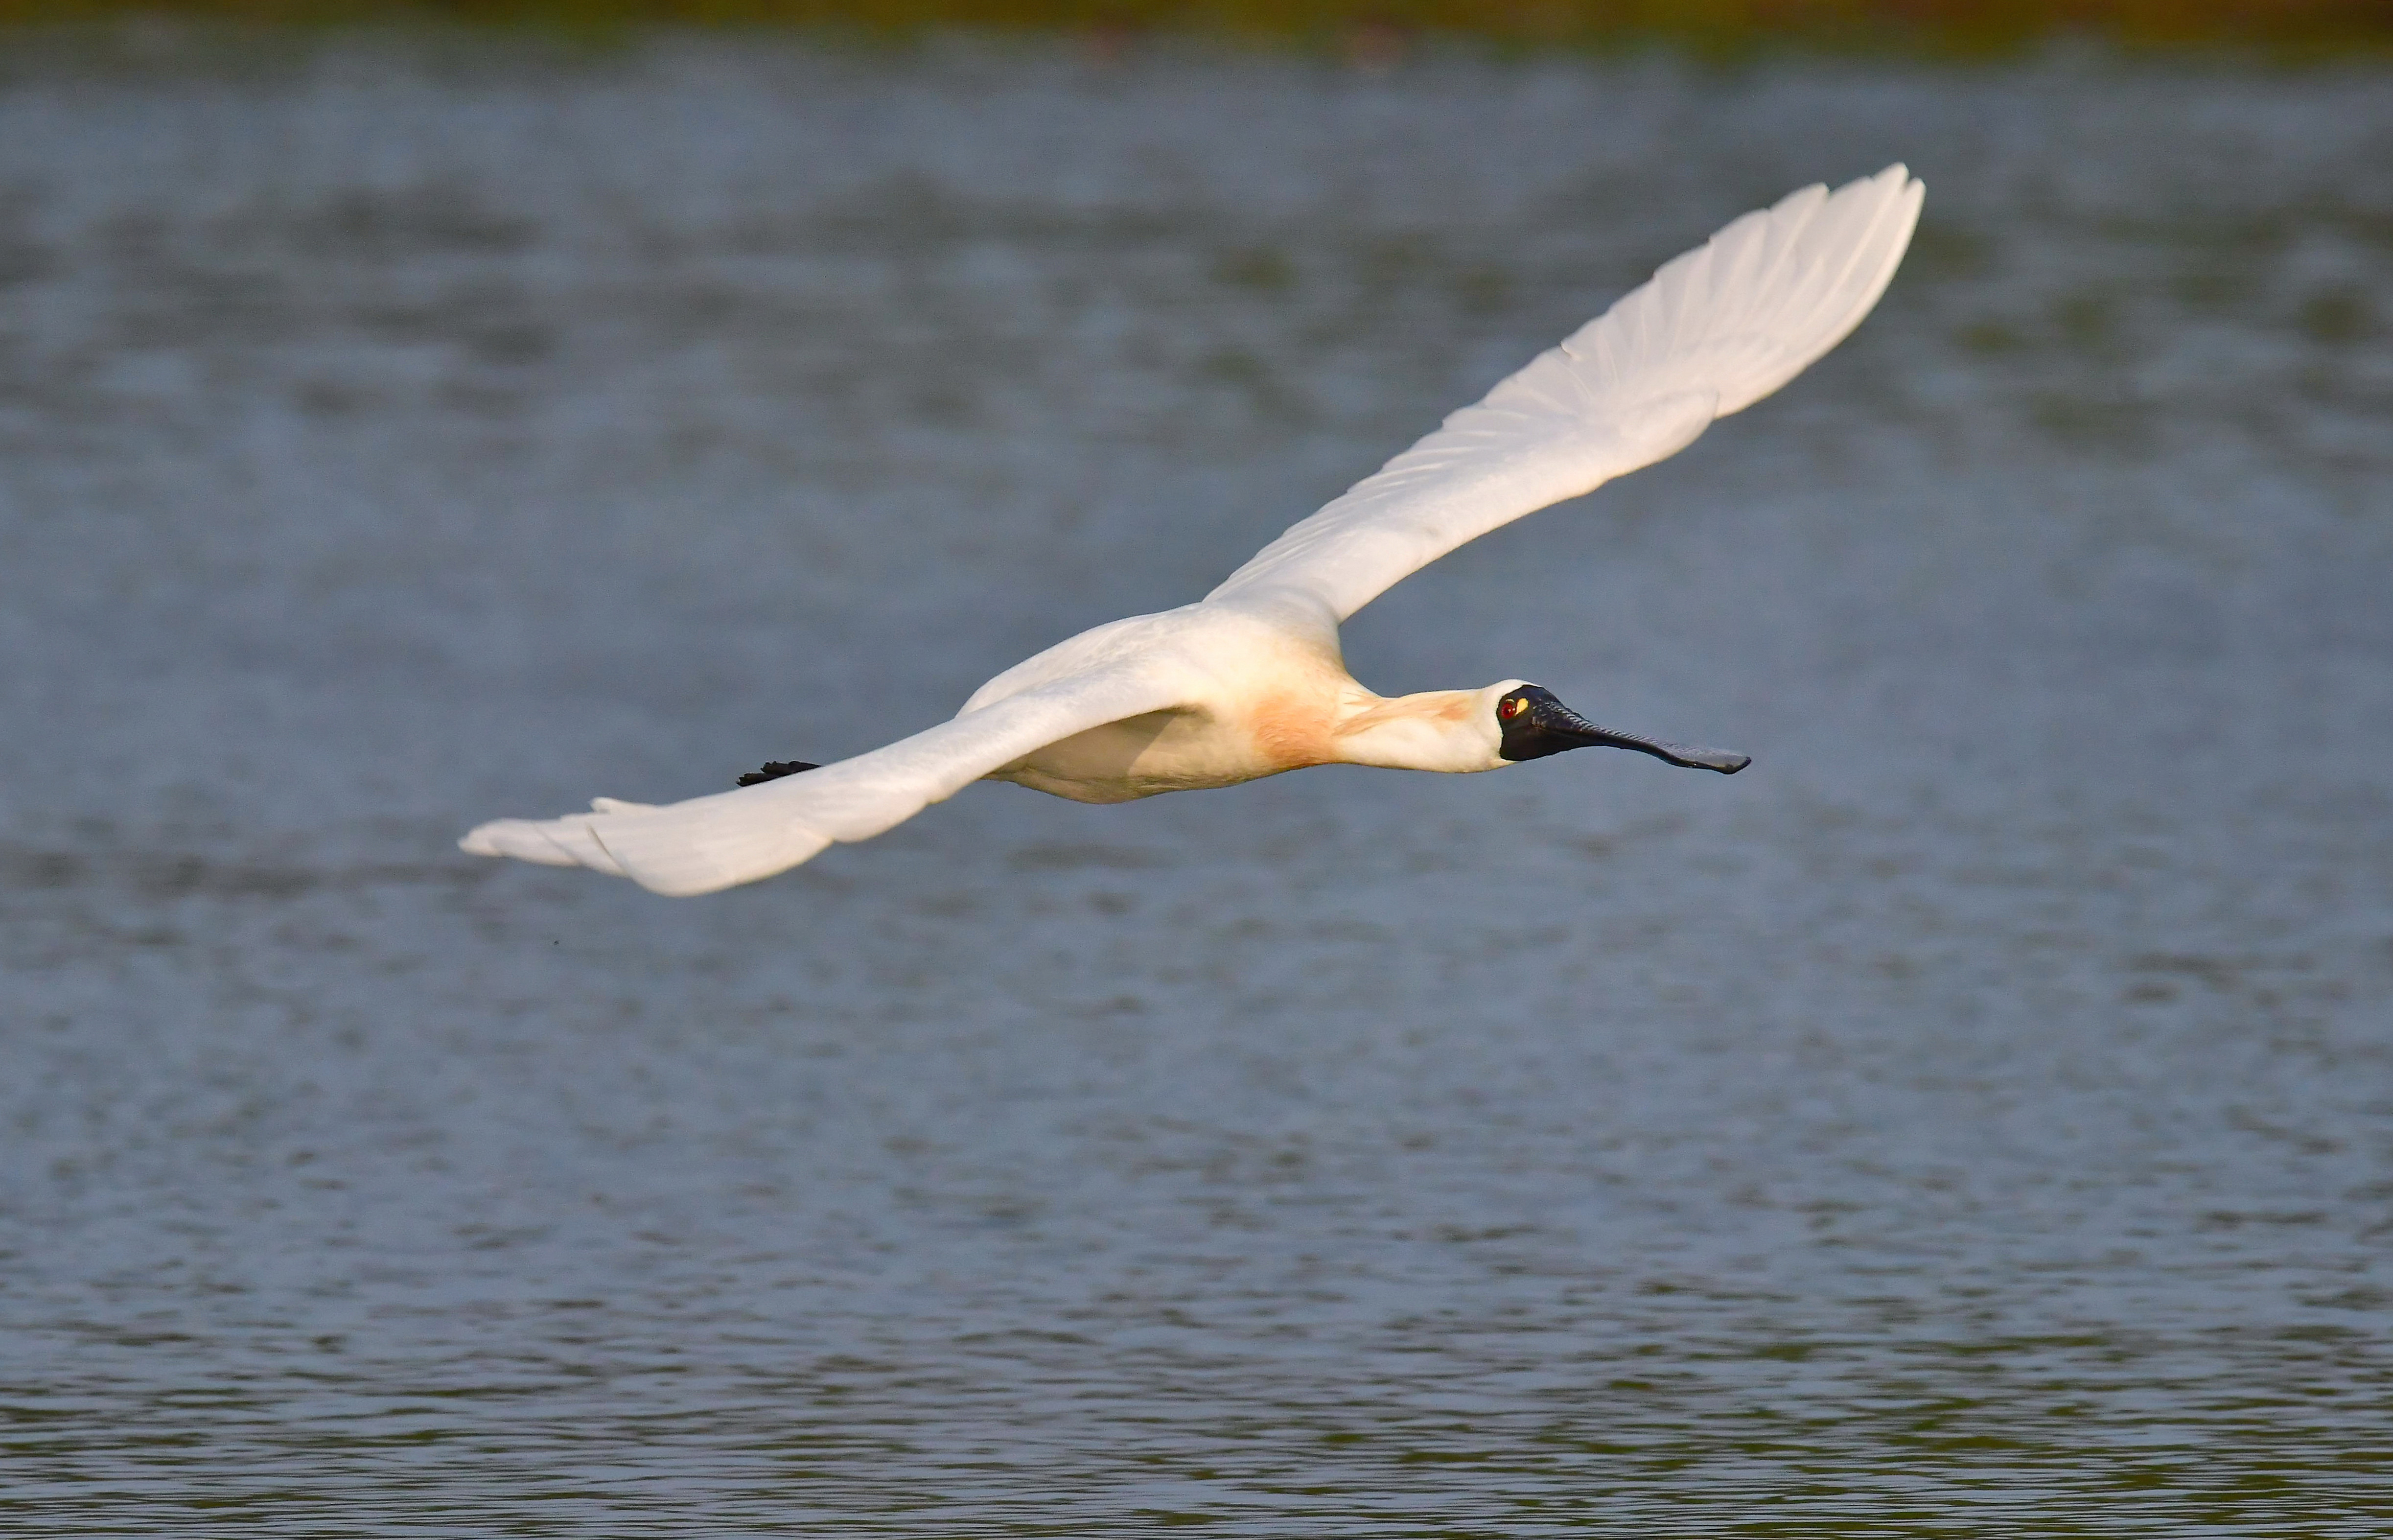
(1249, 682)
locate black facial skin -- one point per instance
(773, 770)
(1535, 723)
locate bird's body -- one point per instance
(1263, 689)
(1249, 681)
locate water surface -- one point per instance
(1971, 1119)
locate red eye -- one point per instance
(1511, 708)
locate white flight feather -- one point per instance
(1714, 331)
(738, 836)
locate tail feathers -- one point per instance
(693, 847)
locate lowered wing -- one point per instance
(1711, 332)
(734, 837)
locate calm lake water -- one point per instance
(1975, 1118)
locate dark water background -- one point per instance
(1975, 1118)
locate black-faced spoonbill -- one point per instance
(1249, 681)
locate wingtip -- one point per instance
(1894, 181)
(543, 842)
(1903, 185)
(704, 847)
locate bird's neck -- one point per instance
(1434, 730)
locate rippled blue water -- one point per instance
(1972, 1119)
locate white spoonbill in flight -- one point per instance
(1249, 681)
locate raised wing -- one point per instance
(734, 837)
(1711, 332)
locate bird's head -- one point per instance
(1461, 731)
(1530, 721)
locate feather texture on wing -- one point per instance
(732, 837)
(1712, 331)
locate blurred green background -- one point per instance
(1378, 30)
